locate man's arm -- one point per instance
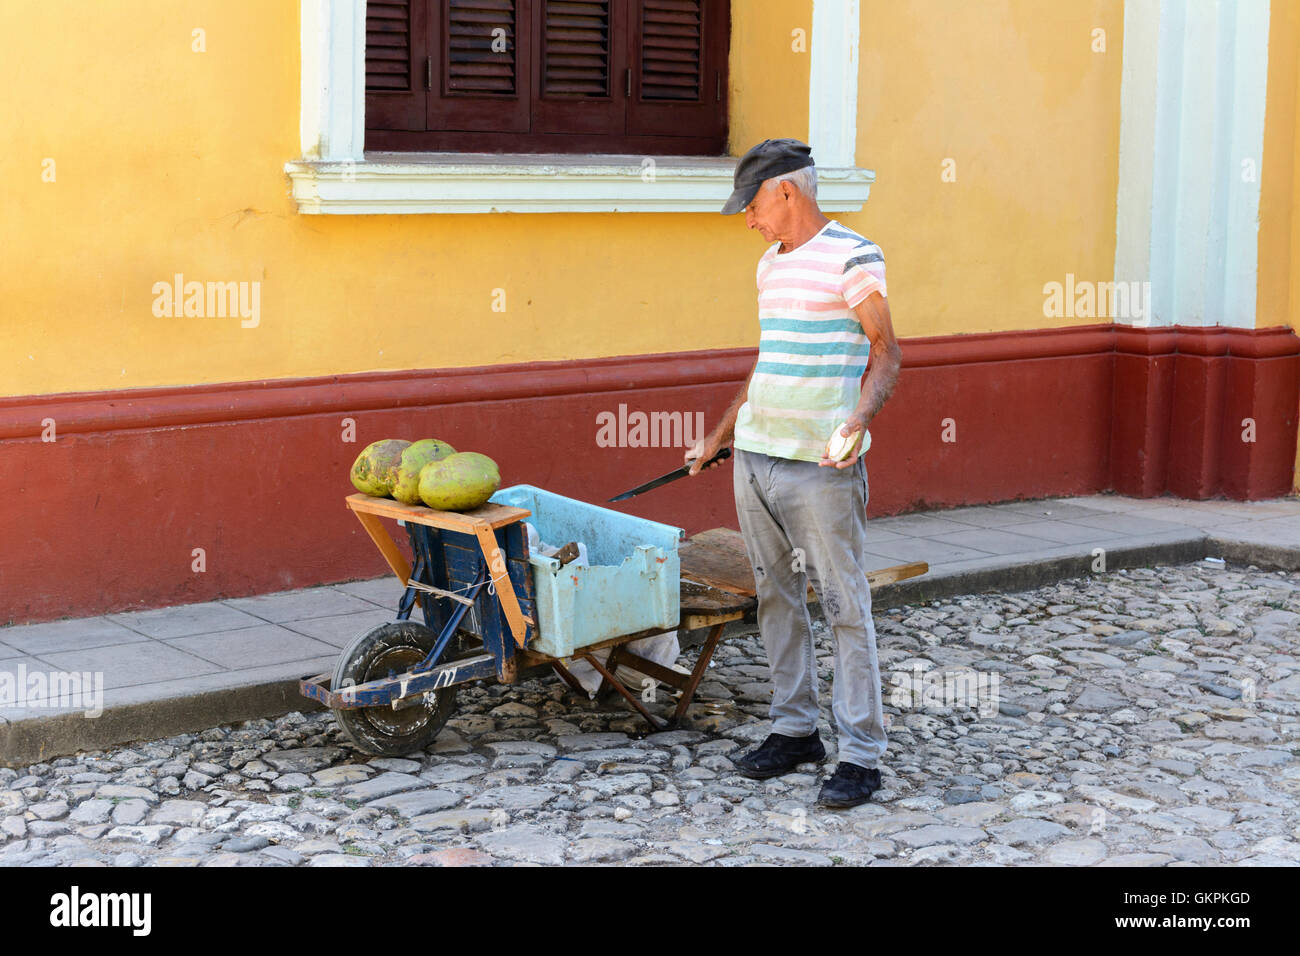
(721, 436)
(882, 369)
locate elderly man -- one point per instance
(824, 320)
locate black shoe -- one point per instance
(780, 754)
(849, 786)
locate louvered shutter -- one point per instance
(576, 44)
(679, 50)
(481, 64)
(581, 76)
(396, 44)
(672, 43)
(582, 67)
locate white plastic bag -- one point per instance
(662, 649)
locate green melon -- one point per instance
(459, 482)
(407, 487)
(375, 469)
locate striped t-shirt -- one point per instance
(812, 352)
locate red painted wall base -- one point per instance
(111, 514)
(1201, 412)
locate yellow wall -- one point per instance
(1278, 292)
(769, 80)
(1010, 90)
(172, 161)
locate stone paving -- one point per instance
(1145, 717)
(173, 653)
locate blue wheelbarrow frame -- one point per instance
(472, 564)
(476, 563)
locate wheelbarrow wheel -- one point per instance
(390, 649)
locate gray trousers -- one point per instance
(802, 522)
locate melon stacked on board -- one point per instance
(428, 471)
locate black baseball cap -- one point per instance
(772, 157)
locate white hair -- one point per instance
(804, 180)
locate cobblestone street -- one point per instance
(1147, 717)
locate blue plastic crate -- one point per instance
(632, 582)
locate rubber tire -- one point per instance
(396, 646)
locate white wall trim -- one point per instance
(1137, 127)
(335, 175)
(1195, 82)
(833, 83)
(480, 182)
(333, 124)
(1244, 126)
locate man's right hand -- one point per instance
(702, 451)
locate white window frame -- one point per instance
(336, 176)
(1195, 85)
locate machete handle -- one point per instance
(723, 455)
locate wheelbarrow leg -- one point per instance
(631, 698)
(568, 678)
(701, 665)
(611, 667)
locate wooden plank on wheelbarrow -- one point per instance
(505, 591)
(717, 557)
(494, 515)
(700, 600)
(386, 545)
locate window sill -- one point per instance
(387, 183)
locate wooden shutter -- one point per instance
(576, 48)
(481, 63)
(679, 50)
(672, 44)
(581, 67)
(583, 76)
(481, 47)
(395, 59)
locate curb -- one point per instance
(1025, 572)
(1265, 555)
(41, 738)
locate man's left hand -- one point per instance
(856, 423)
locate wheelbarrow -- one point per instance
(473, 579)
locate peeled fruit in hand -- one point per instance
(375, 470)
(459, 482)
(840, 446)
(406, 488)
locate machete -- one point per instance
(681, 472)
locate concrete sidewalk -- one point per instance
(184, 668)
